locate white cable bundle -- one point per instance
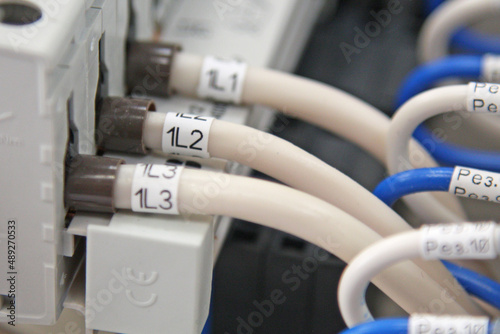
(314, 102)
(275, 157)
(170, 189)
(281, 160)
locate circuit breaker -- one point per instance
(53, 55)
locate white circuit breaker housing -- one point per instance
(158, 272)
(52, 54)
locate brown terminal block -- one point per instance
(120, 124)
(149, 66)
(90, 182)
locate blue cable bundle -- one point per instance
(424, 77)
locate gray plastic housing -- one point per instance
(49, 74)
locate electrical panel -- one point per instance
(64, 63)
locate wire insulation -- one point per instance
(476, 284)
(472, 41)
(406, 119)
(297, 213)
(355, 279)
(411, 181)
(467, 39)
(319, 104)
(429, 74)
(291, 165)
(425, 77)
(437, 31)
(388, 326)
(380, 256)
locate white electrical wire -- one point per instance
(297, 213)
(319, 104)
(364, 267)
(291, 165)
(369, 263)
(407, 118)
(405, 121)
(436, 33)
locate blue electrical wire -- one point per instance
(468, 40)
(388, 326)
(412, 181)
(451, 155)
(425, 77)
(475, 42)
(476, 284)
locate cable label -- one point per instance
(483, 97)
(458, 241)
(186, 134)
(222, 79)
(475, 184)
(432, 324)
(155, 188)
(491, 68)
